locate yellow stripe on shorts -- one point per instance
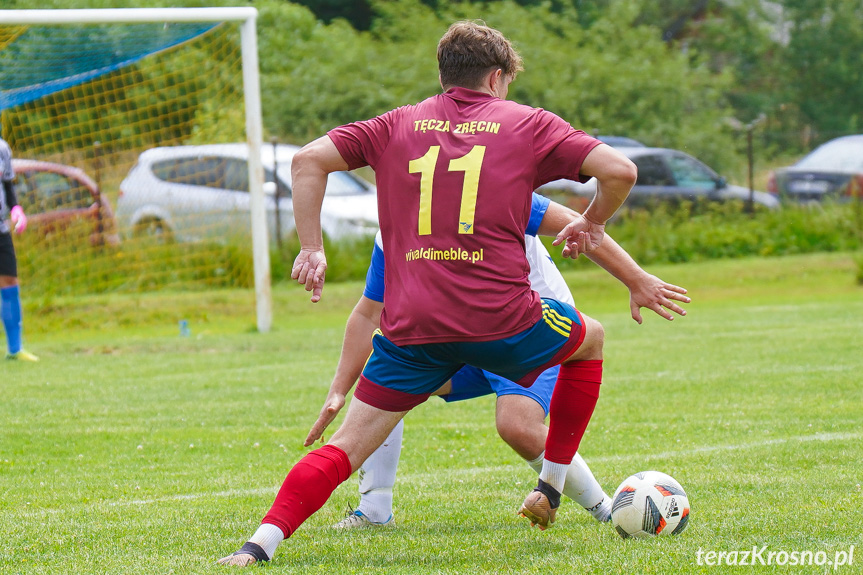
(561, 320)
(376, 332)
(561, 325)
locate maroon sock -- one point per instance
(307, 487)
(575, 395)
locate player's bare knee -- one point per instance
(519, 437)
(598, 333)
(594, 339)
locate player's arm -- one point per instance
(645, 290)
(11, 196)
(356, 348)
(16, 213)
(615, 175)
(309, 170)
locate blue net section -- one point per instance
(71, 55)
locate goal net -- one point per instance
(104, 111)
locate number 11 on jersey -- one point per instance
(470, 164)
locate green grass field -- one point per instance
(130, 449)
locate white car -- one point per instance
(194, 193)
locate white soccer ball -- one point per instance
(649, 503)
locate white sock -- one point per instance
(268, 536)
(378, 476)
(554, 474)
(536, 464)
(581, 486)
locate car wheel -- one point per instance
(155, 230)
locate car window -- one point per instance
(27, 196)
(652, 171)
(691, 173)
(208, 171)
(338, 183)
(40, 192)
(344, 184)
(237, 175)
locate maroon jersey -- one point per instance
(455, 175)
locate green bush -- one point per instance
(664, 233)
(63, 263)
(694, 232)
(347, 259)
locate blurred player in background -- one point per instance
(520, 411)
(9, 289)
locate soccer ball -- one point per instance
(649, 503)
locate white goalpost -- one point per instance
(245, 18)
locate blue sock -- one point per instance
(12, 317)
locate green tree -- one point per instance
(618, 77)
(614, 76)
(357, 12)
(796, 61)
(601, 65)
(825, 54)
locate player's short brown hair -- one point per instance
(470, 50)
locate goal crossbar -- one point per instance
(127, 15)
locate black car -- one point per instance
(833, 170)
(665, 175)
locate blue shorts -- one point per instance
(398, 378)
(470, 382)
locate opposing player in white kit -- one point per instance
(520, 411)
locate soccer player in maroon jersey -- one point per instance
(520, 412)
(455, 174)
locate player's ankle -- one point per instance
(377, 505)
(554, 474)
(550, 492)
(602, 510)
(267, 537)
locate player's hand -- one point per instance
(654, 294)
(18, 219)
(332, 406)
(310, 269)
(581, 236)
